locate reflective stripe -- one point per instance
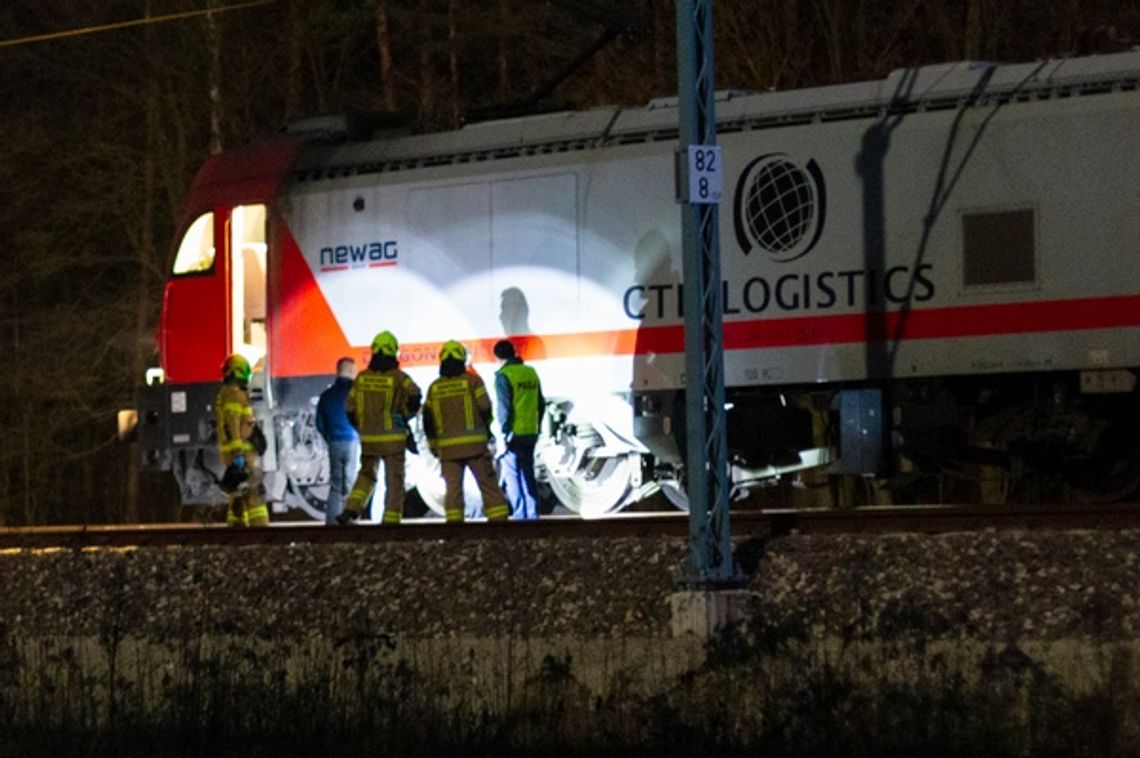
(383, 387)
(253, 513)
(450, 387)
(453, 407)
(234, 418)
(378, 401)
(436, 414)
(453, 514)
(497, 512)
(397, 437)
(391, 516)
(465, 439)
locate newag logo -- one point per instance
(364, 255)
(779, 207)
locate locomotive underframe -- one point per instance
(983, 439)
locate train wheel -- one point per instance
(310, 498)
(592, 465)
(424, 474)
(594, 486)
(584, 477)
(676, 495)
(302, 458)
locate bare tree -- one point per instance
(295, 43)
(453, 64)
(503, 44)
(214, 42)
(384, 49)
(426, 73)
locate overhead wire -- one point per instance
(146, 21)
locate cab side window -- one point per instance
(196, 252)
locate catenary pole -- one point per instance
(699, 183)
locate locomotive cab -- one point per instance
(215, 303)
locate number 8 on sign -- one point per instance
(706, 174)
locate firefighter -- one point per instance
(236, 430)
(519, 404)
(457, 422)
(382, 400)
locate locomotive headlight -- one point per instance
(128, 422)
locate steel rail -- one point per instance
(749, 523)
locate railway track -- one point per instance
(762, 523)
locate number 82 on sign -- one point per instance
(701, 175)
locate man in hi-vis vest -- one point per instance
(519, 405)
(457, 418)
(381, 401)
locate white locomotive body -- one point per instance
(933, 273)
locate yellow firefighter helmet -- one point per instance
(452, 349)
(236, 366)
(385, 344)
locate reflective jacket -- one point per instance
(456, 418)
(518, 399)
(234, 423)
(379, 405)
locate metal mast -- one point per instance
(699, 185)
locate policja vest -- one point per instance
(525, 415)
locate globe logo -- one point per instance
(779, 207)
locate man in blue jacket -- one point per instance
(340, 436)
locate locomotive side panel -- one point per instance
(594, 250)
(1060, 293)
(934, 256)
(473, 256)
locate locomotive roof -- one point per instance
(936, 87)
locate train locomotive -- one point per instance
(931, 288)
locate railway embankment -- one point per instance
(994, 642)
